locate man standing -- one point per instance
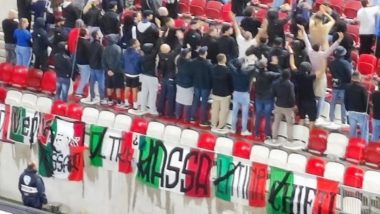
(356, 102)
(132, 71)
(147, 32)
(32, 187)
(9, 27)
(110, 23)
(71, 13)
(40, 44)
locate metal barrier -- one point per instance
(15, 208)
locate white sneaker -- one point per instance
(246, 133)
(87, 100)
(103, 102)
(232, 131)
(332, 126)
(273, 142)
(137, 112)
(320, 121)
(294, 145)
(220, 131)
(96, 100)
(153, 113)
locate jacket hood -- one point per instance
(112, 39)
(143, 26)
(39, 23)
(61, 47)
(272, 14)
(147, 48)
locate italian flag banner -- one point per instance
(110, 149)
(292, 192)
(174, 168)
(240, 181)
(23, 125)
(61, 155)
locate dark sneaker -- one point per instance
(205, 124)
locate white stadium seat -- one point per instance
(334, 171)
(155, 130)
(336, 145)
(282, 130)
(296, 163)
(301, 134)
(371, 182)
(44, 104)
(352, 205)
(259, 154)
(106, 119)
(172, 134)
(122, 122)
(190, 138)
(224, 145)
(325, 110)
(29, 101)
(13, 98)
(278, 158)
(90, 115)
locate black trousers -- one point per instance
(41, 61)
(366, 43)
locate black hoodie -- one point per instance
(110, 23)
(40, 37)
(63, 65)
(148, 60)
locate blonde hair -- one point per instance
(23, 21)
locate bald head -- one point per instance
(12, 14)
(162, 11)
(165, 48)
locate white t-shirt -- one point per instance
(244, 44)
(366, 18)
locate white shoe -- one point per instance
(246, 133)
(87, 100)
(320, 121)
(153, 113)
(137, 112)
(345, 126)
(273, 142)
(232, 131)
(103, 102)
(332, 126)
(220, 131)
(294, 145)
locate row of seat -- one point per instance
(347, 8)
(210, 9)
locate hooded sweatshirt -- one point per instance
(40, 37)
(63, 65)
(147, 32)
(71, 13)
(112, 55)
(132, 62)
(110, 23)
(148, 60)
(264, 81)
(241, 75)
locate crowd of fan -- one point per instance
(188, 63)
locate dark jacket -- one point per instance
(59, 35)
(112, 55)
(193, 38)
(95, 55)
(212, 46)
(222, 83)
(242, 77)
(9, 27)
(184, 76)
(40, 37)
(166, 65)
(263, 85)
(83, 52)
(32, 189)
(341, 72)
(261, 50)
(120, 5)
(71, 13)
(250, 24)
(148, 60)
(202, 71)
(304, 86)
(228, 46)
(356, 97)
(347, 43)
(132, 61)
(63, 65)
(39, 8)
(110, 23)
(282, 55)
(238, 6)
(147, 32)
(24, 8)
(283, 91)
(375, 98)
(93, 17)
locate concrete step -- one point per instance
(1, 35)
(2, 53)
(2, 44)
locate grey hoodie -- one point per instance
(112, 55)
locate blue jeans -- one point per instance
(166, 101)
(97, 75)
(337, 97)
(63, 86)
(240, 99)
(200, 95)
(182, 109)
(375, 130)
(23, 55)
(320, 102)
(263, 109)
(85, 73)
(358, 119)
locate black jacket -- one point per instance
(202, 71)
(356, 98)
(9, 27)
(304, 86)
(166, 65)
(148, 60)
(93, 17)
(82, 55)
(59, 35)
(95, 55)
(282, 55)
(32, 189)
(263, 85)
(193, 38)
(242, 76)
(283, 91)
(71, 13)
(250, 24)
(63, 65)
(147, 32)
(24, 8)
(228, 46)
(260, 50)
(184, 75)
(341, 72)
(375, 98)
(238, 6)
(110, 23)
(222, 84)
(40, 37)
(212, 46)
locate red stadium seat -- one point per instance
(139, 125)
(242, 149)
(378, 67)
(355, 58)
(353, 30)
(261, 14)
(3, 94)
(315, 166)
(351, 8)
(49, 81)
(226, 12)
(353, 177)
(59, 108)
(34, 79)
(355, 150)
(367, 64)
(214, 9)
(19, 76)
(75, 111)
(207, 141)
(6, 70)
(337, 5)
(372, 154)
(184, 6)
(197, 7)
(318, 141)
